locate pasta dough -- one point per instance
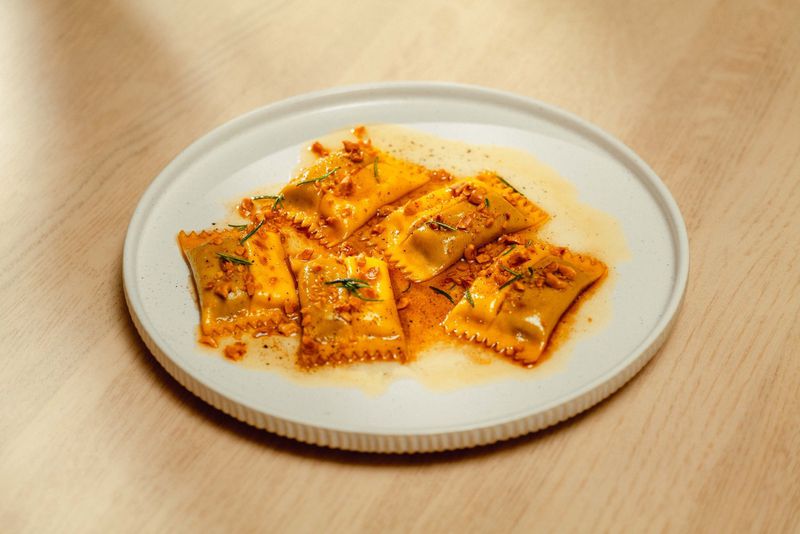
(431, 233)
(340, 192)
(517, 303)
(348, 310)
(241, 286)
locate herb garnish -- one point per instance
(234, 259)
(375, 169)
(238, 226)
(319, 178)
(252, 232)
(352, 285)
(277, 198)
(445, 226)
(508, 184)
(486, 201)
(509, 249)
(529, 242)
(468, 296)
(443, 293)
(516, 276)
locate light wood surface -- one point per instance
(97, 97)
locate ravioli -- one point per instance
(348, 310)
(340, 192)
(241, 286)
(427, 235)
(516, 304)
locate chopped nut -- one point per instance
(239, 250)
(465, 221)
(554, 282)
(519, 286)
(236, 351)
(290, 307)
(567, 272)
(476, 198)
(208, 340)
(483, 258)
(306, 254)
(318, 149)
(403, 303)
(287, 329)
(469, 252)
(353, 151)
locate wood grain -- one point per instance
(97, 97)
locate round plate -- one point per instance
(408, 417)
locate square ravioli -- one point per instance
(516, 304)
(348, 310)
(339, 193)
(242, 284)
(429, 234)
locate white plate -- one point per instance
(408, 417)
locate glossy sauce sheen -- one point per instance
(437, 360)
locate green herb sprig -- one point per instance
(234, 259)
(353, 286)
(375, 170)
(239, 226)
(509, 249)
(252, 232)
(443, 293)
(468, 296)
(444, 226)
(319, 178)
(516, 276)
(508, 184)
(277, 198)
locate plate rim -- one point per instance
(414, 440)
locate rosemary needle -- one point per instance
(234, 259)
(319, 178)
(353, 285)
(443, 293)
(443, 225)
(252, 232)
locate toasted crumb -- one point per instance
(236, 351)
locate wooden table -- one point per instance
(96, 98)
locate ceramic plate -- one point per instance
(193, 190)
